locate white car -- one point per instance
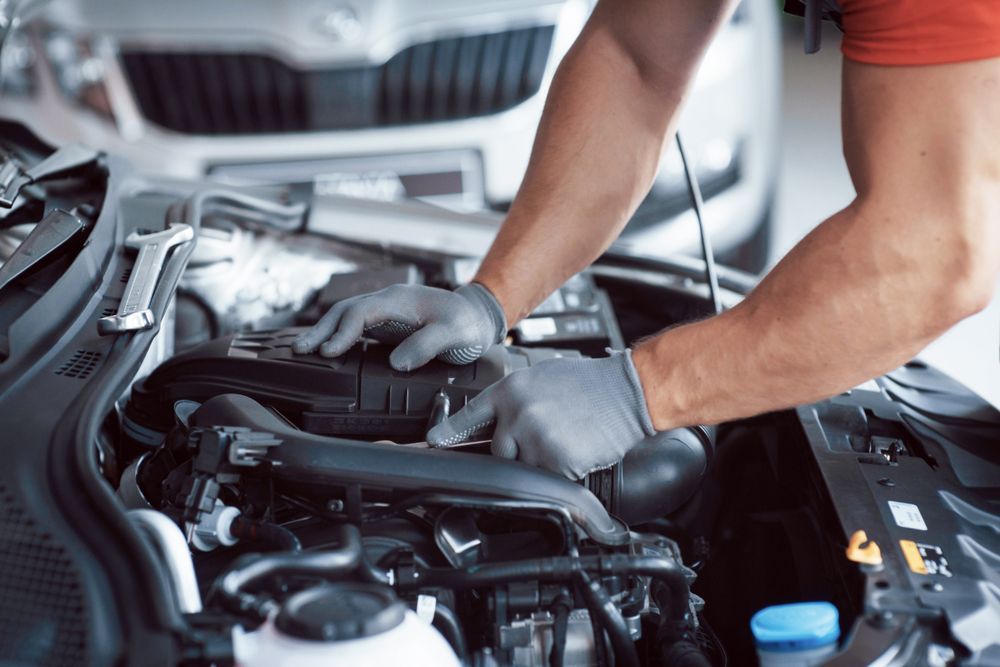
(437, 100)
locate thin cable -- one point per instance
(698, 204)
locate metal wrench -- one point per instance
(134, 312)
(14, 177)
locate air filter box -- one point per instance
(357, 394)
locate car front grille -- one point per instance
(241, 93)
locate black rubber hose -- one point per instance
(560, 608)
(253, 568)
(600, 641)
(317, 464)
(673, 637)
(372, 573)
(683, 654)
(264, 532)
(601, 607)
(447, 623)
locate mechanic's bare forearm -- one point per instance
(850, 302)
(916, 252)
(598, 147)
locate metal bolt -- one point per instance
(882, 619)
(940, 656)
(335, 505)
(933, 586)
(885, 481)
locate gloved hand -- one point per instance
(426, 322)
(571, 416)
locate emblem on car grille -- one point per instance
(342, 24)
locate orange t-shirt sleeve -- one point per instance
(920, 32)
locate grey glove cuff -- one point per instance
(633, 385)
(479, 293)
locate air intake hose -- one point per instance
(656, 477)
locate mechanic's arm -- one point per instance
(917, 251)
(612, 105)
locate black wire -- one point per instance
(698, 204)
(721, 659)
(314, 510)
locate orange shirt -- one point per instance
(920, 32)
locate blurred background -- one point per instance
(438, 101)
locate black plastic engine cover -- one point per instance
(357, 394)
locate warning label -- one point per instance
(925, 558)
(907, 515)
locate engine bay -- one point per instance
(275, 508)
(250, 446)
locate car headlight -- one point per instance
(78, 72)
(709, 159)
(17, 65)
(717, 165)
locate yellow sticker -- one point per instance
(913, 557)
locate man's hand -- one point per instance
(426, 322)
(571, 416)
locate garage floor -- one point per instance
(811, 155)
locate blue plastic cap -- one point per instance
(796, 627)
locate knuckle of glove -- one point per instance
(392, 292)
(459, 356)
(517, 385)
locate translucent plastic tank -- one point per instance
(343, 625)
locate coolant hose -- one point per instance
(673, 637)
(600, 606)
(446, 622)
(684, 653)
(560, 609)
(252, 568)
(600, 641)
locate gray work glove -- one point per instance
(426, 322)
(571, 416)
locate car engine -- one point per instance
(319, 467)
(178, 488)
(250, 447)
(316, 523)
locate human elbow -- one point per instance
(966, 279)
(972, 291)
